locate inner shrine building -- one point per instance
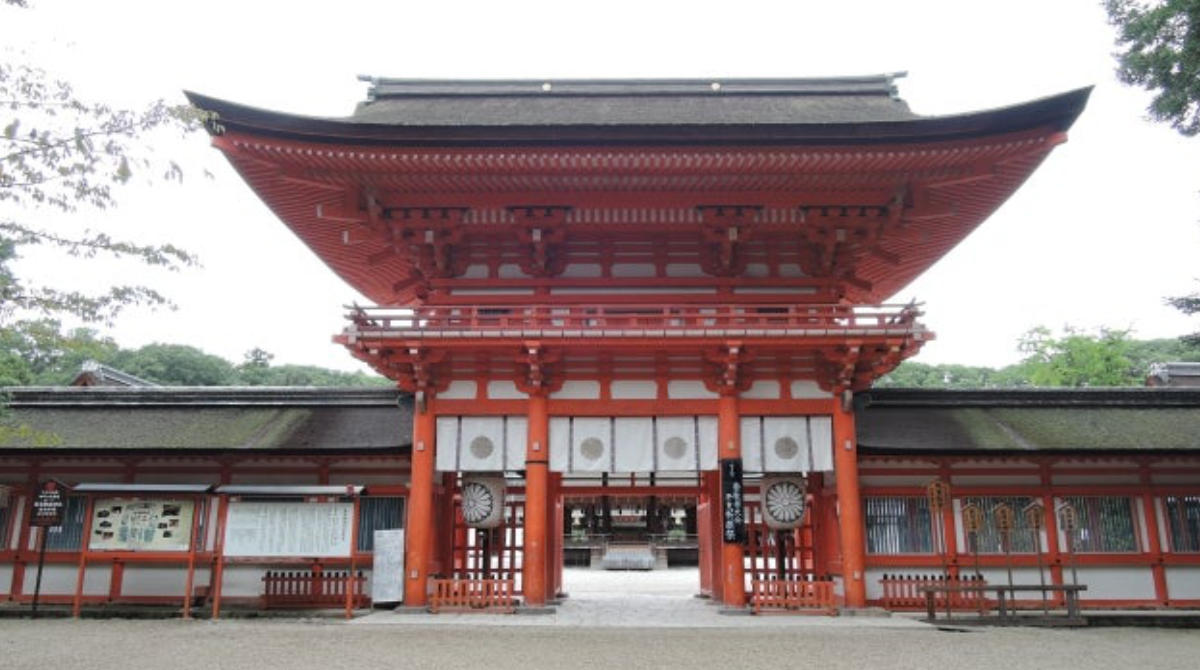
(656, 290)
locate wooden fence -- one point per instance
(473, 595)
(903, 592)
(800, 597)
(312, 588)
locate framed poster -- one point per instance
(124, 524)
(282, 529)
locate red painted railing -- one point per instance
(675, 320)
(312, 588)
(473, 595)
(903, 592)
(800, 597)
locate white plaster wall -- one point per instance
(459, 389)
(582, 270)
(177, 478)
(245, 580)
(684, 270)
(510, 271)
(1183, 582)
(633, 270)
(156, 580)
(578, 389)
(634, 390)
(1163, 478)
(493, 291)
(478, 271)
(757, 270)
(895, 480)
(59, 579)
(366, 480)
(1105, 583)
(767, 389)
(806, 389)
(6, 572)
(687, 389)
(503, 389)
(16, 520)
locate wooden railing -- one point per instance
(588, 319)
(312, 588)
(781, 595)
(905, 592)
(473, 595)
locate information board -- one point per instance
(120, 524)
(733, 507)
(387, 568)
(277, 529)
(48, 506)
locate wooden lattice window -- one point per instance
(1183, 520)
(898, 525)
(68, 536)
(378, 513)
(1106, 524)
(990, 539)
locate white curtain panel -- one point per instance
(481, 444)
(560, 443)
(591, 444)
(447, 444)
(707, 426)
(821, 430)
(785, 444)
(634, 444)
(673, 433)
(752, 447)
(516, 430)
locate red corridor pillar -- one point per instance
(420, 539)
(850, 518)
(537, 485)
(733, 578)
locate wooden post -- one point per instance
(351, 581)
(704, 530)
(536, 504)
(1154, 546)
(419, 549)
(77, 606)
(733, 570)
(197, 510)
(217, 576)
(850, 518)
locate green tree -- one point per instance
(1077, 358)
(176, 365)
(62, 154)
(1159, 46)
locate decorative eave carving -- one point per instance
(538, 370)
(726, 229)
(729, 372)
(542, 232)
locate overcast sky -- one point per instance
(1097, 237)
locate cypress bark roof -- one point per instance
(208, 418)
(686, 111)
(1127, 419)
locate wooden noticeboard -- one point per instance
(288, 529)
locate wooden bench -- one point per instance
(1006, 596)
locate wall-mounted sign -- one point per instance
(121, 524)
(265, 529)
(733, 510)
(48, 506)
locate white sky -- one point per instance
(1098, 236)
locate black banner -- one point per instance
(733, 510)
(48, 506)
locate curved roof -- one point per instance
(689, 111)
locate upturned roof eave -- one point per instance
(1055, 113)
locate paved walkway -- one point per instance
(628, 599)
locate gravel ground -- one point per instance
(181, 645)
(612, 620)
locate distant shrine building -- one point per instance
(632, 323)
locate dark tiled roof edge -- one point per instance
(1039, 397)
(291, 396)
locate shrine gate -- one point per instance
(659, 288)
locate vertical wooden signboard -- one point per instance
(47, 513)
(733, 519)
